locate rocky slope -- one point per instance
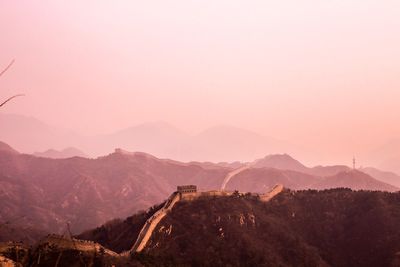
(336, 227)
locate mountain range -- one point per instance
(44, 193)
(221, 143)
(49, 193)
(217, 144)
(335, 227)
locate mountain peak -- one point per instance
(68, 152)
(283, 156)
(6, 148)
(134, 154)
(280, 161)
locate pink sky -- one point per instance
(323, 74)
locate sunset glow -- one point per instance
(319, 74)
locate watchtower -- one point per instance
(186, 189)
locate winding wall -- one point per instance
(152, 222)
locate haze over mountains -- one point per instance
(46, 193)
(219, 143)
(387, 156)
(200, 133)
(216, 144)
(68, 152)
(42, 191)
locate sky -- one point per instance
(321, 74)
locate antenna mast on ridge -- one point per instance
(354, 162)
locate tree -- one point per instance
(1, 74)
(236, 194)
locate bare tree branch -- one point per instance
(9, 66)
(1, 73)
(9, 99)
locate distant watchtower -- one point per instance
(354, 162)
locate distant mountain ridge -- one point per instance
(280, 161)
(221, 143)
(46, 193)
(286, 162)
(217, 144)
(6, 148)
(355, 180)
(261, 179)
(28, 134)
(68, 152)
(387, 177)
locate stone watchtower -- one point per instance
(186, 191)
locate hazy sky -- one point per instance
(325, 74)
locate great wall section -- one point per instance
(233, 173)
(272, 193)
(183, 193)
(151, 224)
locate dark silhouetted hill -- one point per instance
(336, 227)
